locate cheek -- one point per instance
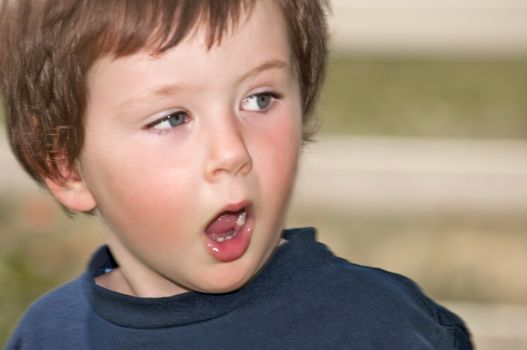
(278, 155)
(140, 193)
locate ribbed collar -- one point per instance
(299, 252)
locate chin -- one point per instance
(227, 280)
(221, 287)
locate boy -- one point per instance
(179, 124)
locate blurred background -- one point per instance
(420, 166)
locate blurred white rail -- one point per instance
(12, 178)
(439, 27)
(414, 174)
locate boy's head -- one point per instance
(179, 121)
(47, 48)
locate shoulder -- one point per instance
(370, 305)
(390, 303)
(52, 319)
(362, 281)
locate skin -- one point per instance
(156, 186)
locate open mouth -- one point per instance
(226, 226)
(229, 233)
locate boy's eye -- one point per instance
(258, 102)
(172, 120)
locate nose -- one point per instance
(227, 152)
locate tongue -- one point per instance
(224, 224)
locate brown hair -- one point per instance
(48, 46)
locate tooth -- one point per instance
(220, 239)
(241, 219)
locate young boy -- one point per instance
(179, 124)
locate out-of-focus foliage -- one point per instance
(426, 97)
(39, 249)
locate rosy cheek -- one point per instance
(280, 153)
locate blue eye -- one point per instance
(259, 102)
(172, 120)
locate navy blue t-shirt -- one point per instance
(304, 298)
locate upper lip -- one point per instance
(232, 207)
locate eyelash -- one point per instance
(272, 95)
(152, 125)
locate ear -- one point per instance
(72, 191)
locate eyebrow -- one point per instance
(270, 64)
(173, 89)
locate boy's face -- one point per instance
(191, 156)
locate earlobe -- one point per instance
(72, 192)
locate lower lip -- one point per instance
(235, 247)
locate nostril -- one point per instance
(246, 168)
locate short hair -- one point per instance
(48, 46)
